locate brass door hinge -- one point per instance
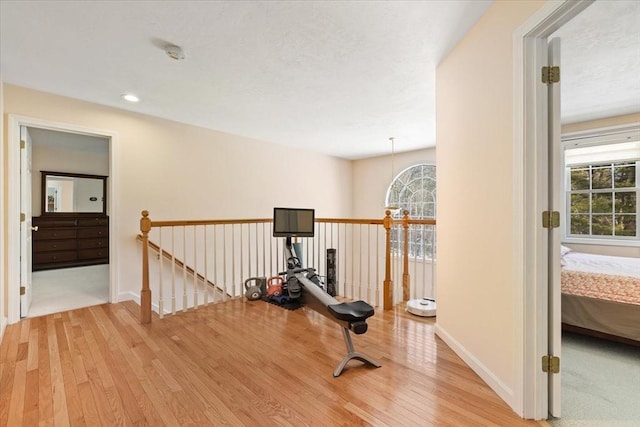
(550, 219)
(23, 144)
(550, 364)
(550, 75)
(23, 290)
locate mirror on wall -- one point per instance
(73, 193)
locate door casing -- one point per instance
(25, 226)
(13, 203)
(530, 196)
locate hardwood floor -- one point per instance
(235, 363)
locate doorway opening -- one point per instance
(74, 265)
(70, 255)
(531, 128)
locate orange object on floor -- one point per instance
(274, 285)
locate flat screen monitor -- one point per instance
(290, 222)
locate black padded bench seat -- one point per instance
(356, 311)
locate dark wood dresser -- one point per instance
(70, 241)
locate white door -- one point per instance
(555, 204)
(25, 225)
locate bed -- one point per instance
(601, 295)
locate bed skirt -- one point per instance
(609, 317)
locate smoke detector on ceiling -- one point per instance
(174, 52)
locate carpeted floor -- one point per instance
(69, 288)
(600, 383)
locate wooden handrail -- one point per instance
(260, 220)
(412, 221)
(269, 220)
(208, 222)
(351, 221)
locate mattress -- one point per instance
(602, 293)
(621, 266)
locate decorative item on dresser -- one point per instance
(70, 241)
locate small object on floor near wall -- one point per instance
(274, 285)
(424, 307)
(254, 292)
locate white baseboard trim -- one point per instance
(501, 389)
(3, 325)
(128, 296)
(132, 296)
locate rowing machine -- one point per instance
(303, 283)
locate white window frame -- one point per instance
(398, 213)
(590, 138)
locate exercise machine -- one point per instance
(304, 283)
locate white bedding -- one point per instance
(619, 266)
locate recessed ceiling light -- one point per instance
(130, 97)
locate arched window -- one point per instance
(414, 190)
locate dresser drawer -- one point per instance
(55, 233)
(92, 222)
(70, 240)
(54, 222)
(93, 232)
(93, 253)
(93, 243)
(54, 257)
(54, 245)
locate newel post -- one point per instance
(145, 293)
(388, 284)
(406, 280)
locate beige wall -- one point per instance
(474, 133)
(179, 171)
(372, 177)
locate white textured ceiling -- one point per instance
(336, 77)
(600, 64)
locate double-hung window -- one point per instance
(602, 186)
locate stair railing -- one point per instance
(207, 261)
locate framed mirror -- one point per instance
(73, 193)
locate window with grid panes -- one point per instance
(603, 199)
(414, 190)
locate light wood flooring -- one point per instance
(235, 363)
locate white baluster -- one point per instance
(173, 271)
(184, 269)
(160, 291)
(224, 262)
(195, 270)
(206, 261)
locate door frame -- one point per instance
(531, 254)
(13, 202)
(3, 283)
(26, 235)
